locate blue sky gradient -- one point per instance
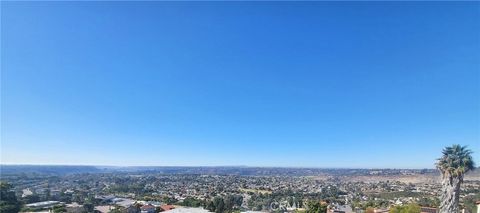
(307, 84)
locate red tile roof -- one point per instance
(147, 207)
(167, 207)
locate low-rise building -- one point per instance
(26, 192)
(103, 209)
(44, 204)
(428, 210)
(167, 207)
(147, 209)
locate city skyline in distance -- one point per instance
(270, 84)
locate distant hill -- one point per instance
(217, 170)
(47, 169)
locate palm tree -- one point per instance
(454, 163)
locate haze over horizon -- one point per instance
(276, 84)
(239, 166)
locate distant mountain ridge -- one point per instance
(217, 170)
(48, 169)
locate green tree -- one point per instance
(169, 200)
(316, 207)
(229, 203)
(31, 198)
(238, 199)
(411, 208)
(88, 207)
(211, 206)
(64, 197)
(191, 202)
(470, 202)
(432, 202)
(454, 163)
(48, 194)
(8, 199)
(59, 209)
(219, 205)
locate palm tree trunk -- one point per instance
(450, 193)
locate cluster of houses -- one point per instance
(110, 203)
(422, 210)
(132, 206)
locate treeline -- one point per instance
(219, 204)
(410, 208)
(228, 203)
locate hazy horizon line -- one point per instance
(214, 166)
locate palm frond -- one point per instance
(456, 160)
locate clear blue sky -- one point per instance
(239, 83)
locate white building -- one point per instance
(45, 204)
